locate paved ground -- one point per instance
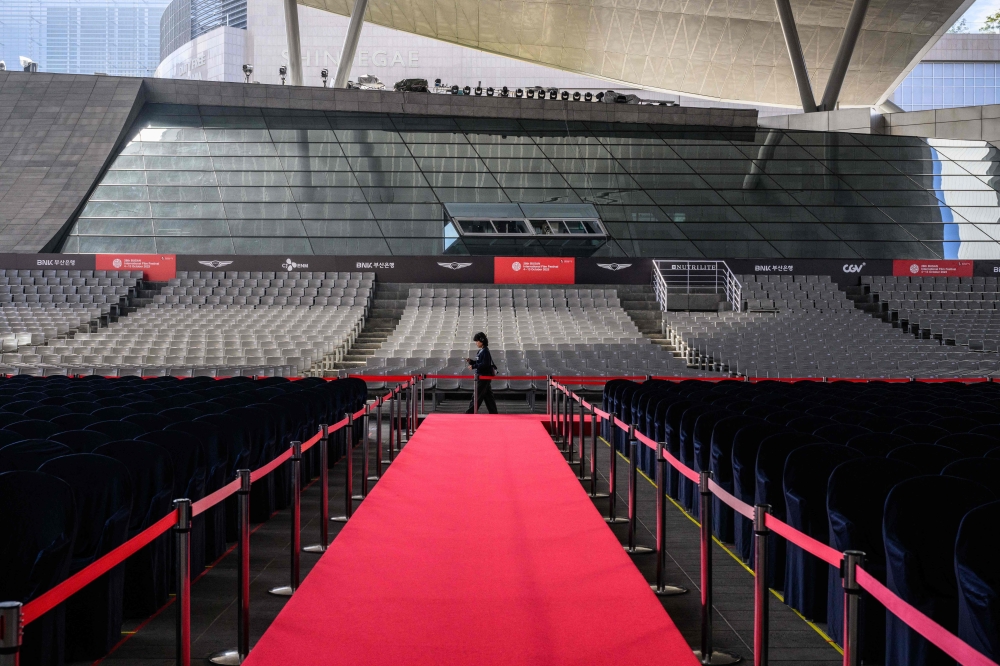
(213, 605)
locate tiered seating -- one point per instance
(88, 290)
(267, 288)
(207, 340)
(816, 342)
(538, 331)
(154, 440)
(792, 292)
(847, 464)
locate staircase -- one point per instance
(639, 302)
(387, 309)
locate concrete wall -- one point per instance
(855, 121)
(970, 47)
(58, 133)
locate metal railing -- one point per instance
(683, 276)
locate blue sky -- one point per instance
(978, 12)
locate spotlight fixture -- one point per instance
(479, 90)
(282, 71)
(437, 83)
(565, 95)
(519, 93)
(247, 71)
(3, 66)
(531, 93)
(504, 92)
(489, 92)
(588, 97)
(454, 89)
(467, 90)
(553, 93)
(324, 74)
(599, 97)
(576, 96)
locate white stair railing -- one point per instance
(684, 276)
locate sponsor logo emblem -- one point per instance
(914, 268)
(215, 263)
(613, 267)
(516, 266)
(117, 263)
(454, 265)
(853, 268)
(290, 265)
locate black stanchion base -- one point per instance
(226, 658)
(583, 478)
(718, 658)
(283, 591)
(386, 462)
(597, 495)
(668, 590)
(357, 497)
(373, 478)
(639, 550)
(315, 548)
(340, 519)
(616, 520)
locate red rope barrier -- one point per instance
(45, 602)
(736, 504)
(948, 642)
(804, 541)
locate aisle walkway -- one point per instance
(478, 546)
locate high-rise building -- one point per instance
(185, 20)
(116, 37)
(959, 70)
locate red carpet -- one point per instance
(478, 546)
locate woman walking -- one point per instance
(483, 367)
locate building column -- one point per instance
(844, 54)
(795, 54)
(350, 43)
(294, 41)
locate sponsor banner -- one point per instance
(986, 268)
(156, 267)
(621, 270)
(47, 262)
(534, 270)
(935, 268)
(386, 269)
(844, 272)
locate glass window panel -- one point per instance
(504, 165)
(342, 246)
(924, 232)
(476, 226)
(478, 179)
(552, 195)
(685, 197)
(871, 232)
(180, 245)
(161, 134)
(879, 182)
(433, 137)
(775, 213)
(114, 227)
(241, 149)
(418, 211)
(334, 211)
(311, 136)
(915, 213)
(179, 227)
(266, 228)
(734, 248)
(296, 121)
(653, 231)
(883, 198)
(609, 197)
(530, 180)
(181, 178)
(120, 193)
(883, 250)
(193, 194)
(795, 231)
(665, 248)
(367, 136)
(272, 245)
(117, 244)
(517, 150)
(332, 194)
(259, 163)
(813, 248)
(337, 228)
(173, 148)
(412, 228)
(469, 164)
(237, 135)
(252, 178)
(128, 162)
(595, 166)
(702, 214)
(124, 178)
(376, 149)
(600, 180)
(471, 195)
(382, 163)
(442, 150)
(757, 197)
(857, 214)
(594, 151)
(188, 210)
(400, 195)
(263, 194)
(308, 149)
(251, 211)
(71, 245)
(116, 209)
(641, 152)
(709, 152)
(182, 163)
(632, 213)
(718, 230)
(405, 246)
(829, 198)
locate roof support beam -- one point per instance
(350, 43)
(294, 42)
(844, 54)
(795, 54)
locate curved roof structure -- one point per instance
(725, 49)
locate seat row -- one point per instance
(909, 474)
(87, 463)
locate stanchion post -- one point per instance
(661, 588)
(581, 474)
(761, 597)
(348, 472)
(613, 488)
(293, 565)
(633, 490)
(423, 392)
(852, 593)
(706, 655)
(398, 407)
(392, 425)
(365, 453)
(378, 439)
(409, 409)
(569, 427)
(324, 493)
(475, 393)
(595, 420)
(182, 569)
(237, 655)
(11, 632)
(548, 406)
